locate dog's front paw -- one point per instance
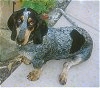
(63, 78)
(34, 75)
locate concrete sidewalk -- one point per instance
(83, 75)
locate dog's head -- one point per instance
(26, 25)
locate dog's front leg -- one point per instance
(20, 59)
(25, 60)
(35, 74)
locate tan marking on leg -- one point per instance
(25, 60)
(63, 75)
(34, 75)
(66, 67)
(13, 61)
(20, 59)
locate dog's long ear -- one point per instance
(12, 23)
(12, 26)
(40, 27)
(40, 30)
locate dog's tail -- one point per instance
(66, 16)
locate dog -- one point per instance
(71, 43)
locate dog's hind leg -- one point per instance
(66, 66)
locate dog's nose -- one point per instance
(20, 41)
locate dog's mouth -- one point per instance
(20, 42)
(23, 36)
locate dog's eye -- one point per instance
(31, 23)
(19, 21)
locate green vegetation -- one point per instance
(41, 6)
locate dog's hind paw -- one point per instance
(63, 78)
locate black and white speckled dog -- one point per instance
(71, 43)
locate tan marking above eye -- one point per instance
(22, 17)
(30, 19)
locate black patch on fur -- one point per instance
(78, 41)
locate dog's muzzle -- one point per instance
(20, 37)
(21, 32)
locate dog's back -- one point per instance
(69, 41)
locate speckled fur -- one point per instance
(56, 45)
